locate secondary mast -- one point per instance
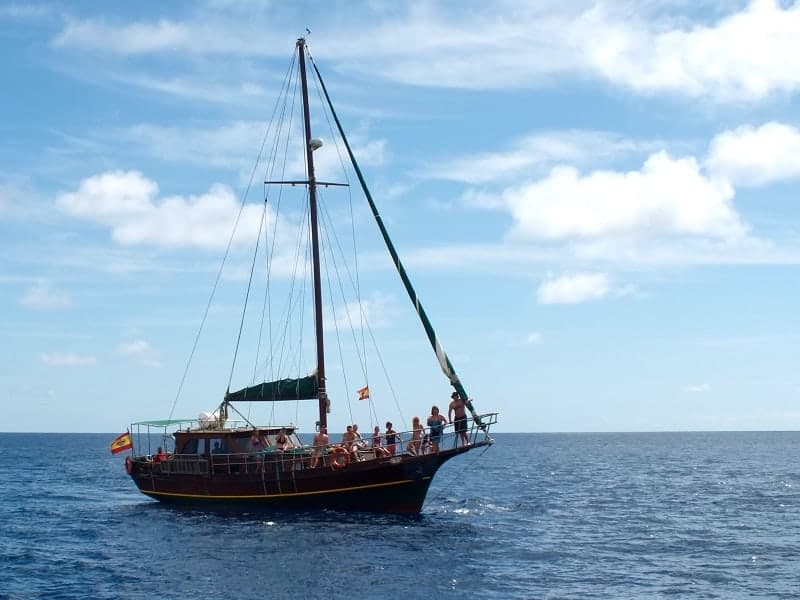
(312, 202)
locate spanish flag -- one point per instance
(363, 393)
(121, 442)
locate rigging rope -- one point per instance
(269, 252)
(334, 137)
(247, 294)
(226, 254)
(325, 251)
(368, 327)
(444, 361)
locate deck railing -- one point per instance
(298, 458)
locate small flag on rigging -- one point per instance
(121, 442)
(363, 393)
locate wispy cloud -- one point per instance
(43, 296)
(373, 312)
(696, 388)
(535, 152)
(140, 350)
(25, 12)
(67, 359)
(643, 47)
(534, 338)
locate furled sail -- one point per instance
(304, 388)
(444, 361)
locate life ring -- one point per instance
(340, 458)
(128, 465)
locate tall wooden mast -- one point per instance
(312, 201)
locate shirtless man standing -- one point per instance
(460, 421)
(349, 442)
(320, 442)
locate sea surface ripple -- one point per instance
(684, 515)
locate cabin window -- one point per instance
(195, 446)
(218, 446)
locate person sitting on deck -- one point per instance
(349, 442)
(360, 443)
(320, 442)
(415, 445)
(282, 441)
(160, 455)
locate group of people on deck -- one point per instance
(457, 414)
(386, 443)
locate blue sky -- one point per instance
(596, 201)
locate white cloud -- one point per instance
(665, 197)
(746, 54)
(696, 388)
(42, 296)
(756, 155)
(574, 288)
(373, 312)
(638, 216)
(67, 359)
(141, 350)
(534, 338)
(127, 203)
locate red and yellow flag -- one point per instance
(363, 393)
(121, 442)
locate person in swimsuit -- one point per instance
(320, 442)
(376, 437)
(282, 441)
(258, 444)
(378, 448)
(436, 422)
(460, 422)
(391, 438)
(415, 445)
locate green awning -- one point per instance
(304, 388)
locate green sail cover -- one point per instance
(304, 388)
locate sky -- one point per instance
(596, 202)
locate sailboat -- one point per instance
(223, 457)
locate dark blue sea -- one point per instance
(685, 515)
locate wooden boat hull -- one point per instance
(387, 485)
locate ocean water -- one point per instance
(685, 515)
